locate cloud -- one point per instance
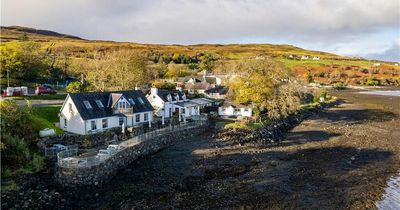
(391, 54)
(321, 22)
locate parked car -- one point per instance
(82, 163)
(115, 147)
(44, 89)
(60, 147)
(105, 152)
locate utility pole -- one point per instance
(8, 78)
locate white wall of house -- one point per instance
(232, 111)
(70, 119)
(112, 122)
(162, 108)
(190, 111)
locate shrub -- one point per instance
(76, 87)
(36, 164)
(372, 82)
(339, 85)
(15, 153)
(309, 78)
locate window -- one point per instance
(87, 104)
(237, 110)
(146, 117)
(105, 123)
(99, 104)
(70, 107)
(131, 101)
(121, 121)
(65, 122)
(183, 110)
(93, 124)
(137, 118)
(140, 100)
(246, 110)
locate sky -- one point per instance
(366, 28)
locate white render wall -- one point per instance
(75, 123)
(231, 111)
(112, 123)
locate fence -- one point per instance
(67, 159)
(51, 152)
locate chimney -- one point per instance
(154, 90)
(204, 75)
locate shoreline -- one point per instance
(338, 157)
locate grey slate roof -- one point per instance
(104, 97)
(219, 89)
(164, 93)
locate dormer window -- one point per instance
(87, 104)
(184, 97)
(140, 100)
(169, 98)
(99, 104)
(131, 101)
(122, 105)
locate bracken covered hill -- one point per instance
(329, 68)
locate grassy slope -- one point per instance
(45, 117)
(77, 49)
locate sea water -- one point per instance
(383, 92)
(391, 196)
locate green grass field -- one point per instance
(45, 117)
(315, 63)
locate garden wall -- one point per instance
(96, 175)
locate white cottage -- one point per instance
(231, 110)
(86, 113)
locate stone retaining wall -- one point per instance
(98, 174)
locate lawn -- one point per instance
(46, 116)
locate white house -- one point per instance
(231, 110)
(86, 113)
(166, 103)
(305, 57)
(316, 58)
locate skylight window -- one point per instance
(99, 104)
(141, 100)
(131, 101)
(87, 104)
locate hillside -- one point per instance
(329, 68)
(10, 33)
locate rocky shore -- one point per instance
(340, 157)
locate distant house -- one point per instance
(218, 92)
(194, 80)
(305, 57)
(376, 64)
(196, 88)
(316, 58)
(235, 110)
(86, 113)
